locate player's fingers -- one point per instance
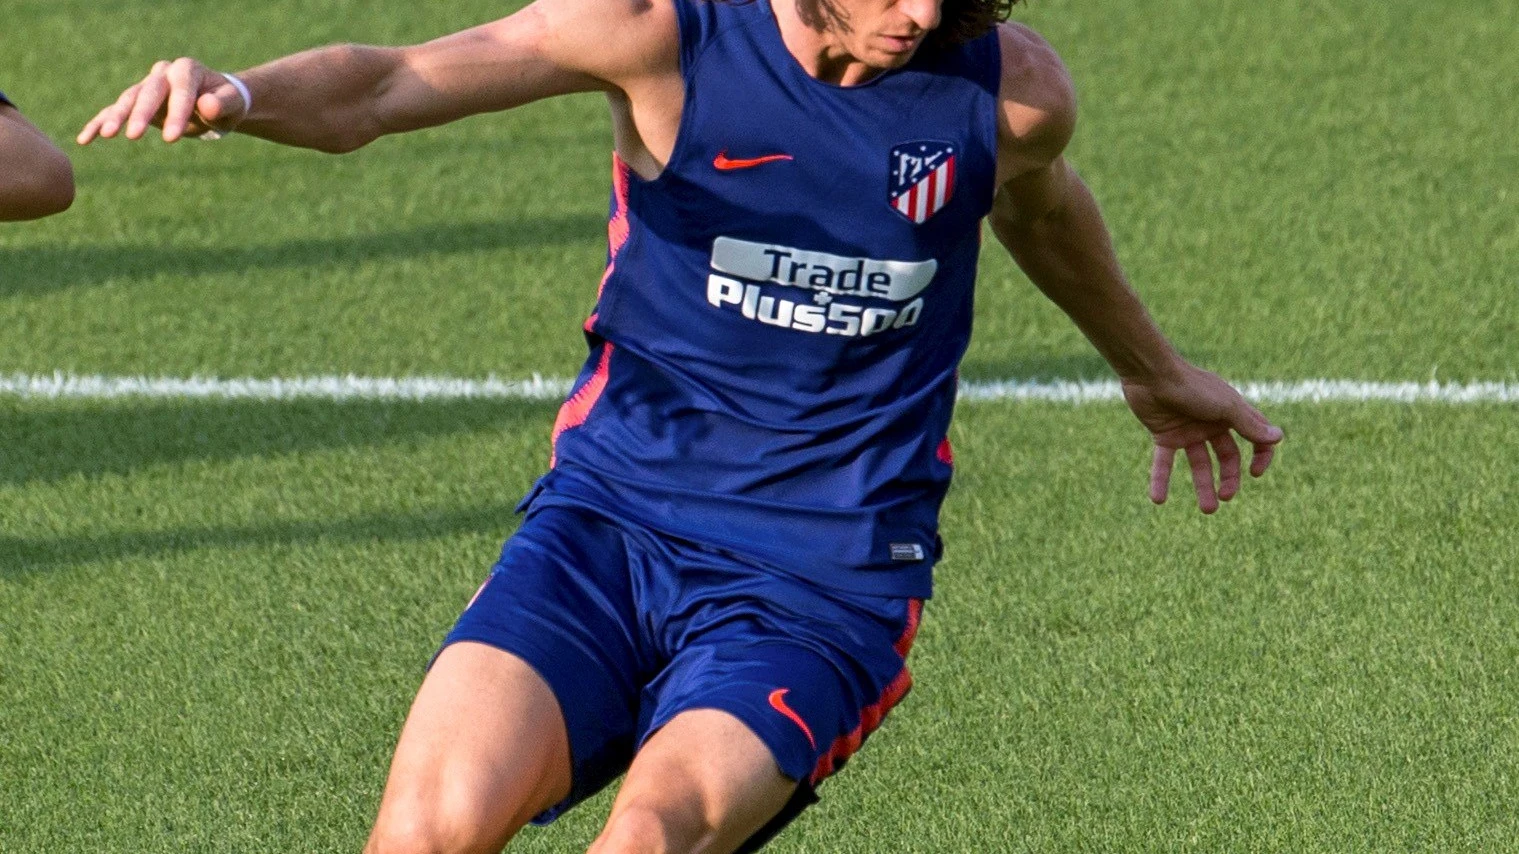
(1202, 476)
(109, 120)
(1260, 459)
(90, 130)
(96, 126)
(150, 99)
(220, 107)
(1160, 473)
(1250, 423)
(183, 89)
(1228, 465)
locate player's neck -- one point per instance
(820, 46)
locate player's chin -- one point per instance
(885, 62)
(894, 53)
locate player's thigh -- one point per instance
(483, 750)
(801, 679)
(703, 782)
(531, 706)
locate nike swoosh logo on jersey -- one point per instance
(778, 702)
(727, 164)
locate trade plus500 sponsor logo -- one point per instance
(740, 265)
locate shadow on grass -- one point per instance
(22, 555)
(66, 439)
(30, 271)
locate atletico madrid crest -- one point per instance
(922, 178)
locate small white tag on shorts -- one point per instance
(906, 552)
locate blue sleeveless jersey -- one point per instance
(774, 346)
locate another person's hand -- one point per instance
(1192, 412)
(183, 97)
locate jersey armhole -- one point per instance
(993, 49)
(688, 19)
(695, 20)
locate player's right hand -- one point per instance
(183, 97)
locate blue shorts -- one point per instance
(630, 628)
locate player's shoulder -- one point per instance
(650, 20)
(618, 37)
(1037, 95)
(1028, 60)
(645, 16)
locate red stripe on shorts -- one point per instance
(909, 634)
(873, 715)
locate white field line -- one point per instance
(67, 386)
(1298, 391)
(59, 386)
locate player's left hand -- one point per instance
(1193, 412)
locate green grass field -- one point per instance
(213, 615)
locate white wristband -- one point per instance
(242, 91)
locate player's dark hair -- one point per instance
(964, 20)
(960, 20)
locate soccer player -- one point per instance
(36, 179)
(717, 583)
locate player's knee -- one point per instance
(424, 829)
(407, 834)
(645, 827)
(401, 835)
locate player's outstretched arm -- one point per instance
(342, 97)
(36, 179)
(1049, 221)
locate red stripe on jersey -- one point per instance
(946, 452)
(577, 409)
(618, 229)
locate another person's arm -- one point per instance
(36, 179)
(1049, 221)
(342, 97)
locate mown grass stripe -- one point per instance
(68, 386)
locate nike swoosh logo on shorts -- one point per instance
(723, 162)
(778, 702)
